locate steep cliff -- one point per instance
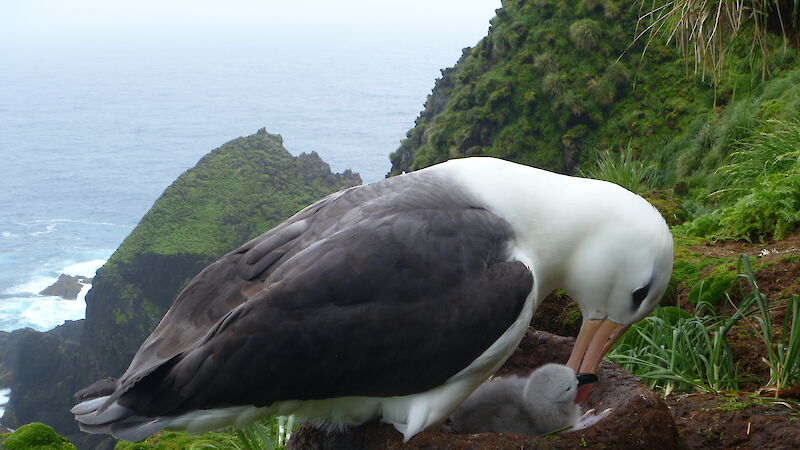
(234, 193)
(557, 85)
(549, 83)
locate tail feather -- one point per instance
(100, 411)
(88, 406)
(103, 416)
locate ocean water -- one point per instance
(91, 134)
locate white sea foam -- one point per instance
(4, 395)
(79, 221)
(48, 312)
(41, 313)
(24, 307)
(84, 269)
(8, 234)
(47, 230)
(32, 286)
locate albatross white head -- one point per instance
(606, 246)
(619, 275)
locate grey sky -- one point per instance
(32, 22)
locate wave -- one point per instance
(39, 282)
(4, 396)
(21, 305)
(84, 269)
(41, 313)
(48, 229)
(79, 221)
(33, 286)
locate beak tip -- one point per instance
(586, 378)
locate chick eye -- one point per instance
(639, 295)
(569, 388)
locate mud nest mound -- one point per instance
(640, 419)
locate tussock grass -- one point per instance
(783, 348)
(622, 169)
(768, 153)
(706, 32)
(673, 350)
(585, 34)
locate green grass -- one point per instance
(621, 168)
(673, 350)
(759, 193)
(270, 434)
(783, 348)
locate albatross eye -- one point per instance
(639, 295)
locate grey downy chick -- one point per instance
(541, 403)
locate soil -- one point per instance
(707, 421)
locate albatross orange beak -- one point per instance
(594, 341)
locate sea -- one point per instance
(91, 134)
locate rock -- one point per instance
(640, 419)
(67, 287)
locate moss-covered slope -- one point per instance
(554, 81)
(554, 84)
(235, 193)
(545, 86)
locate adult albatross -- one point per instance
(392, 300)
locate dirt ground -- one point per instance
(707, 421)
(754, 419)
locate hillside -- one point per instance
(556, 85)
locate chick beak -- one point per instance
(594, 340)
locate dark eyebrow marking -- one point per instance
(639, 295)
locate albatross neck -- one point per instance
(551, 215)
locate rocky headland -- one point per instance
(234, 193)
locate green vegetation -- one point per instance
(599, 89)
(269, 434)
(170, 440)
(622, 169)
(36, 436)
(208, 210)
(763, 179)
(707, 32)
(673, 350)
(783, 348)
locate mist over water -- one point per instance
(92, 131)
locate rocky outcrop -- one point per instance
(233, 194)
(639, 419)
(66, 286)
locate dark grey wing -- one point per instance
(215, 292)
(392, 304)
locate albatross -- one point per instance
(393, 300)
